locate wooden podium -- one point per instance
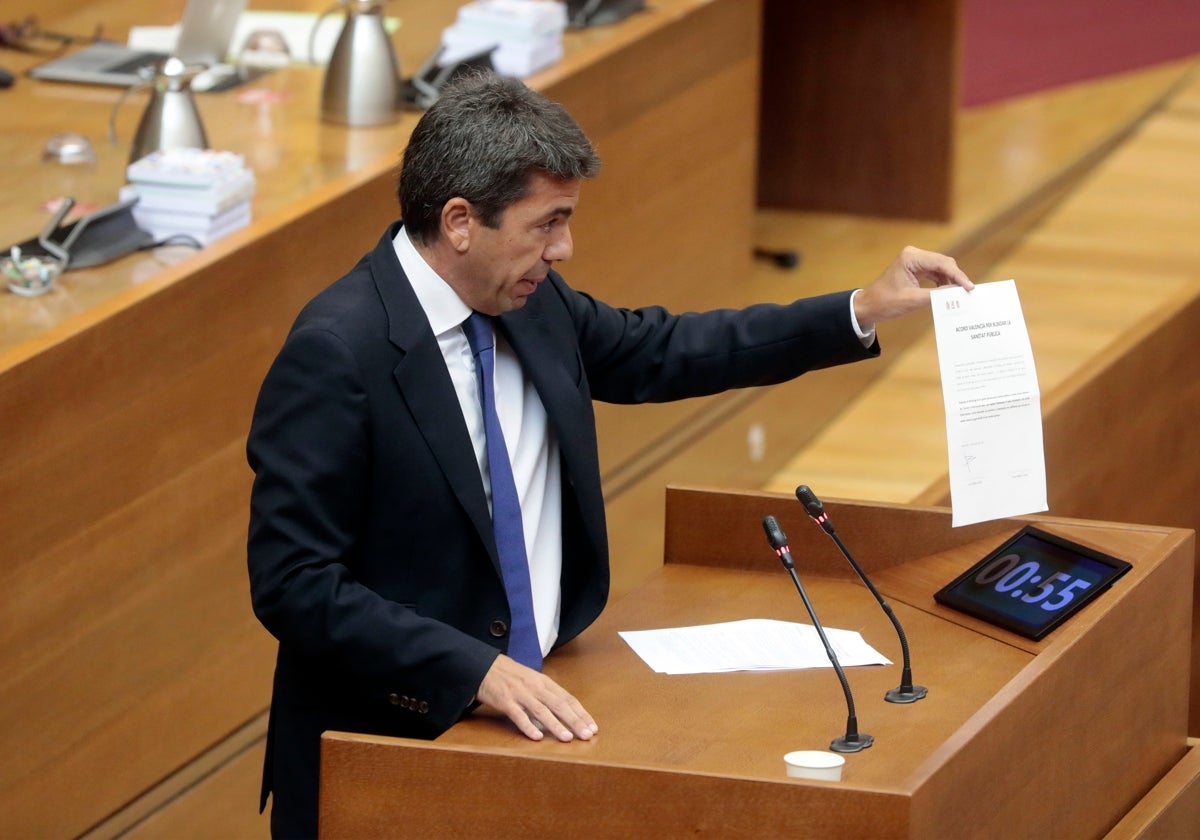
(1016, 738)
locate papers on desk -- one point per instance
(993, 404)
(755, 644)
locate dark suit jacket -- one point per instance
(371, 553)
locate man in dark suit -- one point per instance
(372, 553)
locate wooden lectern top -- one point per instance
(1015, 736)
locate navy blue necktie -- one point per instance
(523, 644)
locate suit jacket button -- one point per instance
(423, 707)
(394, 699)
(499, 629)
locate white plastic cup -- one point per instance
(815, 764)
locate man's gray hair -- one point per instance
(482, 140)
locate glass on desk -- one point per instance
(265, 48)
(70, 149)
(70, 159)
(265, 55)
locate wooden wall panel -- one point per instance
(131, 627)
(859, 104)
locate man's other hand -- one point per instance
(534, 702)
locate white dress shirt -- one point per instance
(867, 337)
(531, 443)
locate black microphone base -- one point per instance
(906, 695)
(845, 745)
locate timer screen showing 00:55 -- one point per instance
(1032, 583)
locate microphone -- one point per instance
(853, 741)
(906, 692)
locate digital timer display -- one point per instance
(1032, 583)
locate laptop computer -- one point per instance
(205, 34)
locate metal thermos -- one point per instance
(171, 119)
(362, 80)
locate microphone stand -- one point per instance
(906, 692)
(853, 741)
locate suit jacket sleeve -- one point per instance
(652, 355)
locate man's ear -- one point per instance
(457, 215)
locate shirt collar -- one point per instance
(443, 307)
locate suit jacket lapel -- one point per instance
(426, 389)
(542, 360)
(545, 361)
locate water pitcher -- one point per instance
(362, 81)
(171, 119)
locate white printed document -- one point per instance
(753, 644)
(993, 405)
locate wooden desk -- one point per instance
(129, 644)
(646, 92)
(1016, 738)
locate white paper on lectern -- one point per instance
(993, 404)
(753, 644)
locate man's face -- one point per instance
(503, 266)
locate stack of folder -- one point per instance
(200, 194)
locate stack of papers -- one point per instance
(525, 35)
(198, 193)
(754, 644)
